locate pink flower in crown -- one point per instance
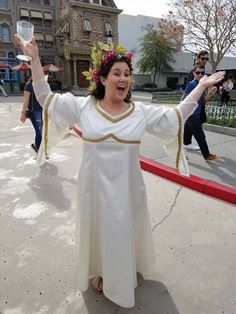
(129, 56)
(109, 56)
(96, 76)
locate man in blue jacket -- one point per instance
(193, 125)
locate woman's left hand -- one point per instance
(208, 81)
(31, 49)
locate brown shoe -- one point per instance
(211, 157)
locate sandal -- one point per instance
(97, 284)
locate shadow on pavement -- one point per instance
(48, 187)
(152, 297)
(223, 168)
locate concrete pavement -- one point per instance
(194, 237)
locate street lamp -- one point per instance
(109, 37)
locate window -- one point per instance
(5, 32)
(171, 82)
(36, 17)
(47, 19)
(39, 39)
(47, 23)
(46, 2)
(36, 1)
(108, 28)
(86, 29)
(36, 14)
(3, 4)
(24, 15)
(96, 1)
(86, 26)
(48, 41)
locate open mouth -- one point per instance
(121, 88)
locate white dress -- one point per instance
(114, 237)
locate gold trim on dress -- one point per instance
(46, 123)
(114, 120)
(179, 136)
(103, 138)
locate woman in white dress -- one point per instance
(114, 237)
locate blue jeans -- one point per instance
(37, 121)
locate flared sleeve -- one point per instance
(167, 124)
(60, 112)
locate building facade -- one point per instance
(80, 24)
(41, 13)
(7, 48)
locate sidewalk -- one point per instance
(194, 237)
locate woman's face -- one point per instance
(118, 81)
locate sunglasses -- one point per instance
(204, 59)
(200, 72)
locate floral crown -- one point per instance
(102, 54)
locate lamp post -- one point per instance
(109, 37)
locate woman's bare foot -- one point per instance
(97, 284)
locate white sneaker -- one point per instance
(191, 146)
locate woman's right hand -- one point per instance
(31, 49)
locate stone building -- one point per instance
(41, 13)
(80, 24)
(7, 47)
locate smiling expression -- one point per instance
(118, 80)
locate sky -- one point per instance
(154, 8)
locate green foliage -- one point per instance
(231, 123)
(157, 53)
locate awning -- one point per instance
(39, 36)
(59, 31)
(86, 26)
(66, 28)
(47, 16)
(108, 27)
(36, 14)
(48, 38)
(24, 13)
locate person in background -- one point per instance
(201, 60)
(179, 87)
(193, 125)
(114, 237)
(31, 109)
(2, 88)
(225, 88)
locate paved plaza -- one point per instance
(194, 234)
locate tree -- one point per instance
(207, 24)
(157, 53)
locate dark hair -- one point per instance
(99, 92)
(197, 66)
(202, 53)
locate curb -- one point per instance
(217, 190)
(219, 129)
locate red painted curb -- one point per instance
(217, 190)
